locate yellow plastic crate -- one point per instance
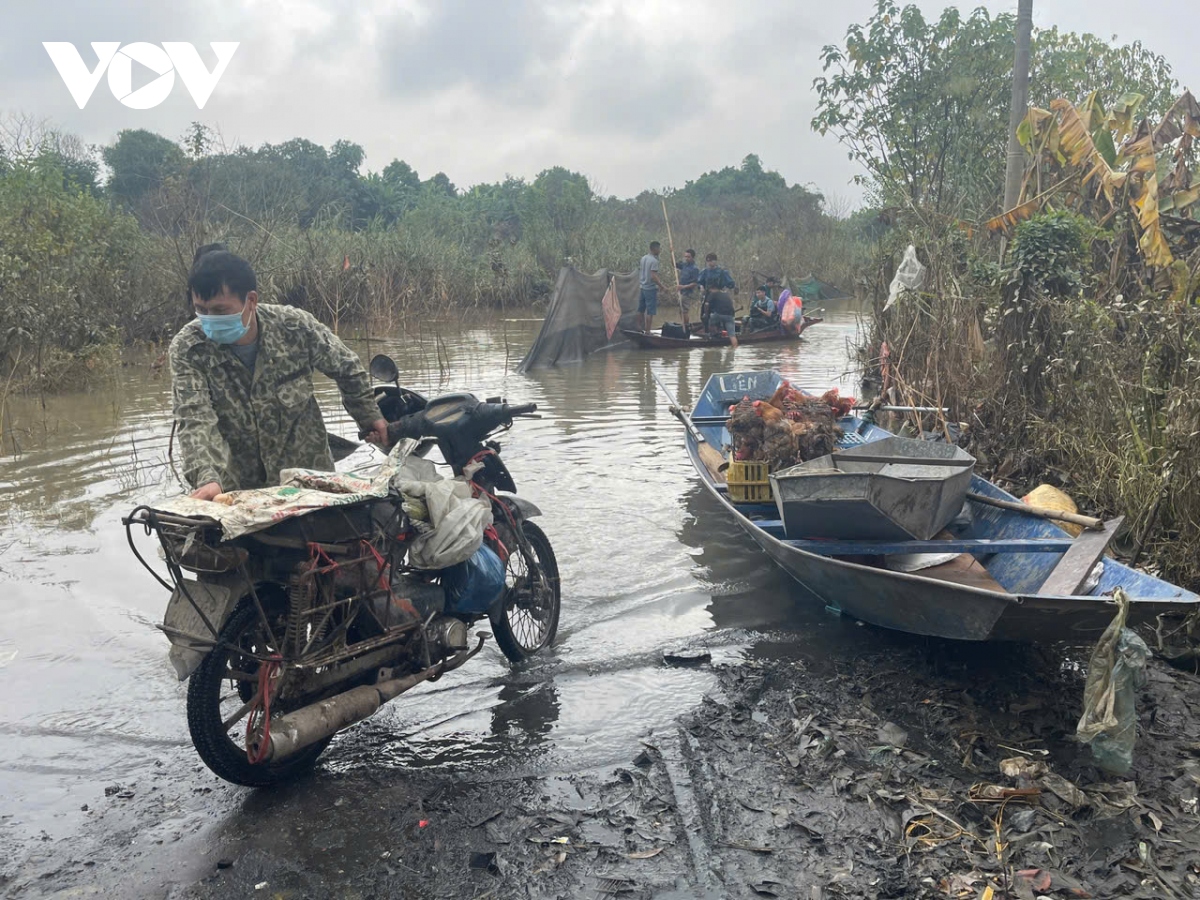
(747, 481)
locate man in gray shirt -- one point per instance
(650, 283)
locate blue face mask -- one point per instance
(223, 329)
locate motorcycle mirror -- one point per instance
(383, 368)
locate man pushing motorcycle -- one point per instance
(292, 623)
(241, 382)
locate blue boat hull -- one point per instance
(931, 606)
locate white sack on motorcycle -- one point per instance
(458, 521)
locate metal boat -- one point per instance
(1010, 577)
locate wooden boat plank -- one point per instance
(1069, 576)
(891, 548)
(965, 570)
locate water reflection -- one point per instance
(648, 561)
(525, 714)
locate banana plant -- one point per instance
(1115, 155)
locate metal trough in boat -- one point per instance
(893, 489)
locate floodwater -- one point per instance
(648, 561)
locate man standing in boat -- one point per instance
(689, 286)
(650, 283)
(241, 380)
(716, 283)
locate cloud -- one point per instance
(630, 83)
(23, 60)
(503, 50)
(635, 94)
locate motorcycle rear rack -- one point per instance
(170, 528)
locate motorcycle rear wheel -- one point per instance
(526, 618)
(220, 686)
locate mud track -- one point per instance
(872, 777)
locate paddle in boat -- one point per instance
(996, 571)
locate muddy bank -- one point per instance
(870, 776)
(881, 776)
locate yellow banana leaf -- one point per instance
(1123, 113)
(1155, 249)
(1081, 150)
(1087, 137)
(1007, 221)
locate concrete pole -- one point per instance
(1015, 168)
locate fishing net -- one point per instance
(575, 322)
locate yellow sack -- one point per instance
(1050, 497)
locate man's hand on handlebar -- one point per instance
(377, 433)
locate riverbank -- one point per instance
(796, 777)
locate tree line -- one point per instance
(95, 242)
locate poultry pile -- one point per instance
(790, 428)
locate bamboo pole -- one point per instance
(670, 241)
(671, 247)
(1040, 512)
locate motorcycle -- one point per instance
(292, 633)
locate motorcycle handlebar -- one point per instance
(406, 427)
(487, 415)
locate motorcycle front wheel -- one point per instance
(525, 619)
(225, 682)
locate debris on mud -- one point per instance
(944, 771)
(916, 770)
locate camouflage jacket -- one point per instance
(240, 428)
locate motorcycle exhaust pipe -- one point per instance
(293, 732)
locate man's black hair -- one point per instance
(655, 245)
(220, 270)
(709, 256)
(207, 248)
(691, 251)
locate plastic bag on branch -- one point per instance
(910, 276)
(1116, 670)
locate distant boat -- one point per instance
(655, 341)
(1009, 576)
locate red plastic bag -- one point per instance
(792, 314)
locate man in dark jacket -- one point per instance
(689, 287)
(716, 283)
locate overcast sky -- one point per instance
(636, 94)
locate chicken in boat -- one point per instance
(789, 428)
